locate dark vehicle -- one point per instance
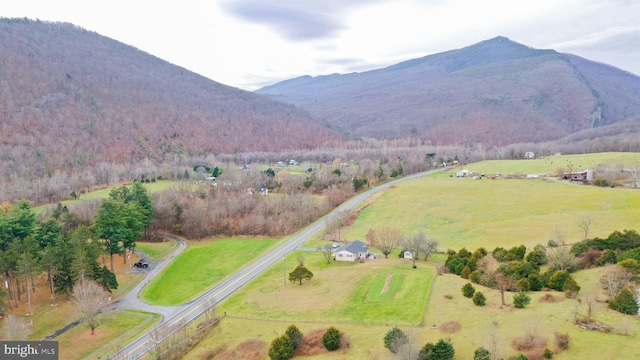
(141, 264)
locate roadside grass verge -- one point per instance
(337, 291)
(116, 327)
(461, 212)
(157, 250)
(200, 266)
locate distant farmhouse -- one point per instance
(579, 176)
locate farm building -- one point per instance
(463, 173)
(351, 251)
(579, 176)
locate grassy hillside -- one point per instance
(461, 212)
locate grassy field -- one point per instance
(340, 291)
(456, 212)
(103, 193)
(201, 265)
(549, 164)
(461, 212)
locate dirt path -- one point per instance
(385, 288)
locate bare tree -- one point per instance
(89, 298)
(327, 252)
(585, 224)
(561, 258)
(429, 247)
(614, 279)
(414, 244)
(495, 343)
(589, 300)
(15, 329)
(410, 349)
(386, 239)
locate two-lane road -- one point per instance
(196, 307)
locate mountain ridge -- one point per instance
(495, 92)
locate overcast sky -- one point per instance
(252, 43)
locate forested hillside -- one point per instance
(75, 103)
(494, 93)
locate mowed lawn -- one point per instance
(343, 292)
(462, 212)
(200, 266)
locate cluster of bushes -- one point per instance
(620, 251)
(397, 341)
(516, 271)
(284, 346)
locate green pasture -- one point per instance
(461, 212)
(549, 164)
(344, 292)
(377, 291)
(103, 193)
(200, 266)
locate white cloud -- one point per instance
(252, 43)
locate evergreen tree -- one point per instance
(331, 339)
(295, 335)
(625, 302)
(468, 290)
(442, 350)
(394, 339)
(479, 299)
(520, 300)
(481, 354)
(300, 273)
(282, 348)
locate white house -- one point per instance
(529, 155)
(351, 251)
(463, 173)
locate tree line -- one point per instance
(64, 248)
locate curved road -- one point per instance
(195, 308)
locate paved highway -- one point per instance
(195, 308)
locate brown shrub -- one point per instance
(220, 352)
(548, 298)
(312, 344)
(562, 341)
(534, 354)
(528, 343)
(590, 258)
(450, 327)
(252, 349)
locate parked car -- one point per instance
(141, 264)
